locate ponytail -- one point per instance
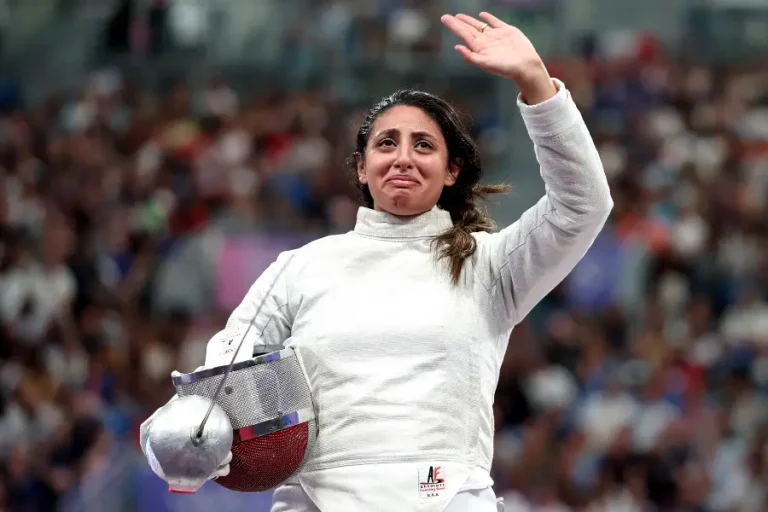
(457, 243)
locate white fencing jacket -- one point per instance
(402, 364)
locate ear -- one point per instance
(453, 174)
(361, 174)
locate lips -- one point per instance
(403, 181)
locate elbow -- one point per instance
(600, 213)
(591, 215)
(604, 205)
(599, 202)
(600, 205)
(592, 209)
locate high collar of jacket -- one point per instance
(376, 224)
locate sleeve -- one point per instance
(525, 261)
(263, 318)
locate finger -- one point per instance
(492, 20)
(463, 31)
(472, 22)
(465, 53)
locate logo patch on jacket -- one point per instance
(431, 482)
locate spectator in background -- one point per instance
(118, 29)
(157, 26)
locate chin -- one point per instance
(404, 206)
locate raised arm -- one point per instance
(525, 261)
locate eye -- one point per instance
(388, 142)
(423, 144)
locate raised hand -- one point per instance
(501, 49)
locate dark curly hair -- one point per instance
(462, 199)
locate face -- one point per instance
(406, 162)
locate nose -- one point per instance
(403, 160)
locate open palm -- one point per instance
(493, 45)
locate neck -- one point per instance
(379, 223)
(398, 215)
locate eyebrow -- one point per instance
(394, 131)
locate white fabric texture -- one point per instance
(406, 486)
(292, 498)
(403, 365)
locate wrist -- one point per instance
(536, 86)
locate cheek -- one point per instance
(376, 167)
(434, 170)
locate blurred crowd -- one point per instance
(640, 384)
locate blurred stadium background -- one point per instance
(156, 155)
